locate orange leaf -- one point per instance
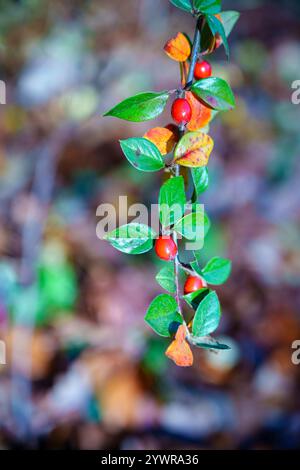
(179, 350)
(178, 48)
(194, 150)
(180, 353)
(201, 114)
(180, 334)
(164, 138)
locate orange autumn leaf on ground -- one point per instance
(179, 350)
(201, 114)
(164, 138)
(178, 48)
(194, 150)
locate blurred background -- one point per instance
(83, 369)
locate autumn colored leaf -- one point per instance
(179, 350)
(194, 150)
(201, 114)
(180, 334)
(178, 48)
(180, 353)
(164, 138)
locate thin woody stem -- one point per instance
(190, 77)
(194, 54)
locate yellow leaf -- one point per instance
(194, 150)
(178, 48)
(163, 137)
(201, 114)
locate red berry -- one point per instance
(202, 70)
(181, 111)
(193, 283)
(166, 248)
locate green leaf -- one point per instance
(217, 271)
(141, 107)
(229, 19)
(215, 92)
(195, 266)
(182, 4)
(198, 258)
(166, 278)
(207, 316)
(132, 238)
(217, 27)
(162, 315)
(142, 154)
(208, 343)
(172, 201)
(208, 6)
(200, 179)
(194, 298)
(193, 226)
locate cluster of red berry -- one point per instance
(181, 108)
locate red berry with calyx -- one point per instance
(166, 248)
(202, 70)
(181, 111)
(193, 283)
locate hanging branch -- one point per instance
(191, 146)
(182, 129)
